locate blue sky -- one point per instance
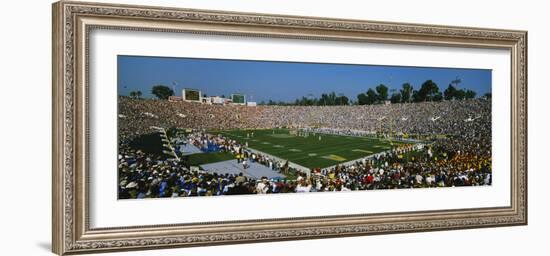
(282, 81)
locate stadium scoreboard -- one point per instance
(238, 98)
(191, 95)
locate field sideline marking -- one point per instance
(362, 150)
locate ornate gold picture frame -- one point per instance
(72, 23)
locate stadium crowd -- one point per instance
(460, 158)
(445, 117)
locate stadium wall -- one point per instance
(290, 164)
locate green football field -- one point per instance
(309, 151)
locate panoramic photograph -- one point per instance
(191, 127)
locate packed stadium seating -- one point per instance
(459, 133)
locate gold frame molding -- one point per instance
(72, 22)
